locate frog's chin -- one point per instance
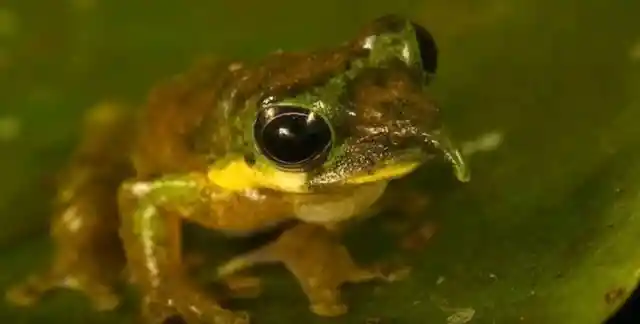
(384, 173)
(236, 175)
(338, 208)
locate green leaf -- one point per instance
(545, 232)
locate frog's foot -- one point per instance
(100, 293)
(320, 263)
(242, 286)
(87, 259)
(190, 305)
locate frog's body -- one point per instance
(207, 152)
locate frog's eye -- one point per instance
(427, 47)
(292, 137)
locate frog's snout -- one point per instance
(442, 142)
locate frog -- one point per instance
(303, 142)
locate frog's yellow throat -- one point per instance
(237, 175)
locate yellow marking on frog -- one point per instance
(237, 175)
(385, 173)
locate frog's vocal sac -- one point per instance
(306, 139)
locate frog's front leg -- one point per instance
(317, 259)
(151, 233)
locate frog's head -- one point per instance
(369, 119)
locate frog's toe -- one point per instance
(185, 305)
(329, 309)
(364, 274)
(24, 294)
(102, 297)
(325, 302)
(243, 286)
(383, 272)
(171, 317)
(264, 254)
(31, 290)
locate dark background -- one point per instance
(629, 312)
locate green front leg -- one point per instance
(151, 214)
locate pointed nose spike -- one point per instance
(461, 169)
(440, 140)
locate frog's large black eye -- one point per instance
(428, 48)
(292, 137)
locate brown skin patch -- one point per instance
(173, 111)
(384, 97)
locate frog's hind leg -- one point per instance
(317, 259)
(76, 265)
(87, 256)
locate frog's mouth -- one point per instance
(372, 161)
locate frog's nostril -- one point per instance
(428, 48)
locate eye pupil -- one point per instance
(428, 48)
(292, 137)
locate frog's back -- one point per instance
(193, 119)
(171, 116)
